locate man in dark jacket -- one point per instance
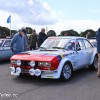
(98, 49)
(42, 37)
(33, 40)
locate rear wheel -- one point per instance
(67, 72)
(94, 65)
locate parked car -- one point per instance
(56, 58)
(5, 51)
(93, 41)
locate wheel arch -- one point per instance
(62, 63)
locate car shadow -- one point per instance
(4, 62)
(77, 76)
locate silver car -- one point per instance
(93, 41)
(5, 50)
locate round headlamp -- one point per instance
(18, 70)
(18, 62)
(32, 63)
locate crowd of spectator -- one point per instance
(21, 42)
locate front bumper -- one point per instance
(35, 72)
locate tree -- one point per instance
(92, 33)
(29, 30)
(51, 33)
(70, 33)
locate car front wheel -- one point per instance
(67, 71)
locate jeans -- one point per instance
(98, 64)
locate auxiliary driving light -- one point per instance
(32, 63)
(37, 72)
(12, 70)
(18, 70)
(18, 62)
(32, 71)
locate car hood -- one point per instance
(38, 55)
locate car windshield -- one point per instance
(1, 42)
(55, 43)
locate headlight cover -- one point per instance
(45, 64)
(18, 62)
(13, 61)
(32, 63)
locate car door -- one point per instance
(6, 51)
(70, 46)
(81, 53)
(89, 50)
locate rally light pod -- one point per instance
(37, 72)
(32, 63)
(18, 70)
(18, 62)
(12, 70)
(32, 71)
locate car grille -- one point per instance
(25, 63)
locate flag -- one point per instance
(9, 19)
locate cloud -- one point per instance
(77, 25)
(35, 12)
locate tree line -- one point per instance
(4, 31)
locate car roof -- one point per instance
(92, 38)
(4, 39)
(68, 37)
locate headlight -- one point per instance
(41, 64)
(45, 64)
(32, 63)
(18, 62)
(13, 61)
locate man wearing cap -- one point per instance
(19, 42)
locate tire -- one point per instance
(67, 72)
(94, 65)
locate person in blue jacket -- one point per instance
(42, 37)
(19, 42)
(98, 49)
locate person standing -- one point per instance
(33, 40)
(42, 37)
(18, 43)
(98, 50)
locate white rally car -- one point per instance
(57, 58)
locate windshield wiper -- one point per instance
(57, 47)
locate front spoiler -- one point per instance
(44, 73)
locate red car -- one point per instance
(57, 58)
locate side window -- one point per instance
(7, 43)
(70, 45)
(81, 44)
(87, 44)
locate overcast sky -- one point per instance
(55, 14)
